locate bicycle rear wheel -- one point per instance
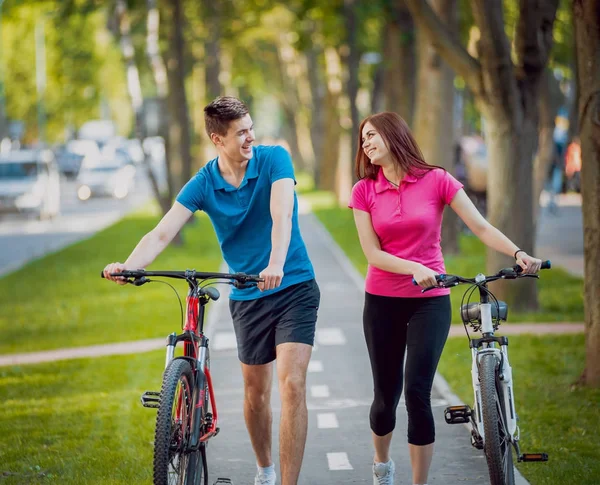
(497, 445)
(173, 425)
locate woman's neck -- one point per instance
(393, 174)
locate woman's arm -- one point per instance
(488, 234)
(385, 261)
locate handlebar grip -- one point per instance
(101, 274)
(545, 265)
(438, 278)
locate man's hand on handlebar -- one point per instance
(272, 276)
(115, 268)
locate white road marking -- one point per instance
(315, 366)
(224, 341)
(327, 421)
(338, 461)
(319, 391)
(330, 336)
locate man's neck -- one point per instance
(233, 171)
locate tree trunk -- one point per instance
(587, 33)
(377, 95)
(351, 56)
(507, 96)
(318, 88)
(289, 98)
(134, 88)
(176, 68)
(159, 74)
(333, 129)
(434, 113)
(399, 62)
(212, 48)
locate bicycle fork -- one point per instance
(204, 423)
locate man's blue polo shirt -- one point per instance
(242, 217)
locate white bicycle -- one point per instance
(494, 427)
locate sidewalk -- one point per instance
(149, 345)
(560, 235)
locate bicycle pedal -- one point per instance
(150, 399)
(457, 414)
(223, 481)
(534, 457)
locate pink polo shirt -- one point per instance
(408, 223)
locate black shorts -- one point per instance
(290, 315)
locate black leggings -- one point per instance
(391, 326)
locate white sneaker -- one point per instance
(383, 473)
(265, 478)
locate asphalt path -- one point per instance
(339, 394)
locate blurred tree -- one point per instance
(83, 70)
(434, 115)
(161, 87)
(507, 95)
(587, 33)
(179, 126)
(399, 60)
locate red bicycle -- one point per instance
(187, 412)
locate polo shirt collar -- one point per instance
(219, 182)
(382, 184)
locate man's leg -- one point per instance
(258, 381)
(292, 362)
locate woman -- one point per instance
(398, 204)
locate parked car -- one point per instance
(29, 183)
(111, 177)
(69, 161)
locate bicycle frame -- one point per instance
(196, 352)
(486, 345)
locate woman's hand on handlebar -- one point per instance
(425, 277)
(529, 264)
(115, 268)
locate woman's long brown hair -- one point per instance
(399, 140)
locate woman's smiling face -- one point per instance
(373, 145)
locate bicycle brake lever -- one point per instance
(139, 281)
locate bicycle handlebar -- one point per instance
(449, 280)
(188, 274)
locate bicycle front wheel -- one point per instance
(497, 446)
(173, 424)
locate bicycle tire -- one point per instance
(497, 446)
(197, 468)
(171, 435)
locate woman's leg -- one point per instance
(385, 328)
(427, 333)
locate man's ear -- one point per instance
(216, 139)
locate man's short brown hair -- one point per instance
(220, 112)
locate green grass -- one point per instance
(560, 294)
(78, 422)
(61, 301)
(553, 417)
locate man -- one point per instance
(248, 193)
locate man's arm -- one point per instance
(153, 243)
(282, 207)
